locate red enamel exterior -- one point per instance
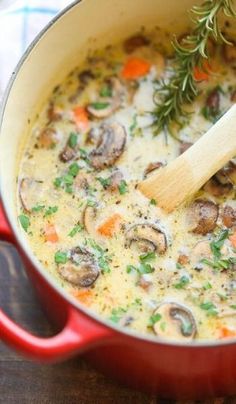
(167, 370)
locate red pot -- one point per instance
(171, 370)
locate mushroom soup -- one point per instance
(168, 275)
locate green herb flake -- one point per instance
(74, 169)
(207, 286)
(51, 210)
(130, 268)
(106, 91)
(154, 319)
(25, 222)
(73, 140)
(60, 257)
(186, 328)
(145, 269)
(210, 308)
(153, 202)
(184, 280)
(117, 314)
(99, 105)
(233, 306)
(147, 257)
(91, 203)
(38, 208)
(133, 125)
(76, 229)
(105, 182)
(123, 187)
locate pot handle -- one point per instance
(78, 334)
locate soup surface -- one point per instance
(169, 275)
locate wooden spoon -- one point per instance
(184, 176)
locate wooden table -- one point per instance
(74, 381)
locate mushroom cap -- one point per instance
(179, 322)
(29, 192)
(82, 270)
(89, 217)
(202, 216)
(110, 147)
(147, 236)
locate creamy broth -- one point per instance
(169, 275)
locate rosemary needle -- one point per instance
(170, 96)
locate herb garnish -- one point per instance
(50, 210)
(73, 140)
(184, 280)
(106, 91)
(123, 187)
(210, 308)
(218, 262)
(117, 314)
(66, 181)
(25, 222)
(105, 182)
(154, 319)
(103, 258)
(99, 105)
(191, 53)
(76, 229)
(60, 257)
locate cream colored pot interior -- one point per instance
(87, 25)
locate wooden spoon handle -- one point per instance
(184, 176)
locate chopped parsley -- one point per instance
(123, 187)
(207, 286)
(74, 169)
(184, 280)
(99, 105)
(25, 222)
(117, 314)
(133, 125)
(60, 257)
(101, 255)
(147, 257)
(73, 140)
(91, 203)
(219, 263)
(154, 319)
(233, 306)
(50, 210)
(38, 208)
(106, 91)
(141, 269)
(66, 181)
(153, 202)
(105, 182)
(76, 229)
(210, 308)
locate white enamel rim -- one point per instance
(37, 266)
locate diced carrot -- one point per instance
(83, 295)
(134, 68)
(108, 228)
(226, 333)
(51, 233)
(202, 74)
(233, 239)
(81, 118)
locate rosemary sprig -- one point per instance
(192, 52)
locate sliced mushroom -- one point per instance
(114, 181)
(89, 217)
(54, 113)
(85, 77)
(47, 138)
(152, 167)
(134, 42)
(213, 102)
(93, 136)
(229, 216)
(202, 216)
(110, 147)
(107, 105)
(233, 96)
(216, 188)
(201, 250)
(229, 52)
(29, 191)
(184, 146)
(67, 154)
(178, 320)
(82, 269)
(148, 238)
(82, 180)
(227, 175)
